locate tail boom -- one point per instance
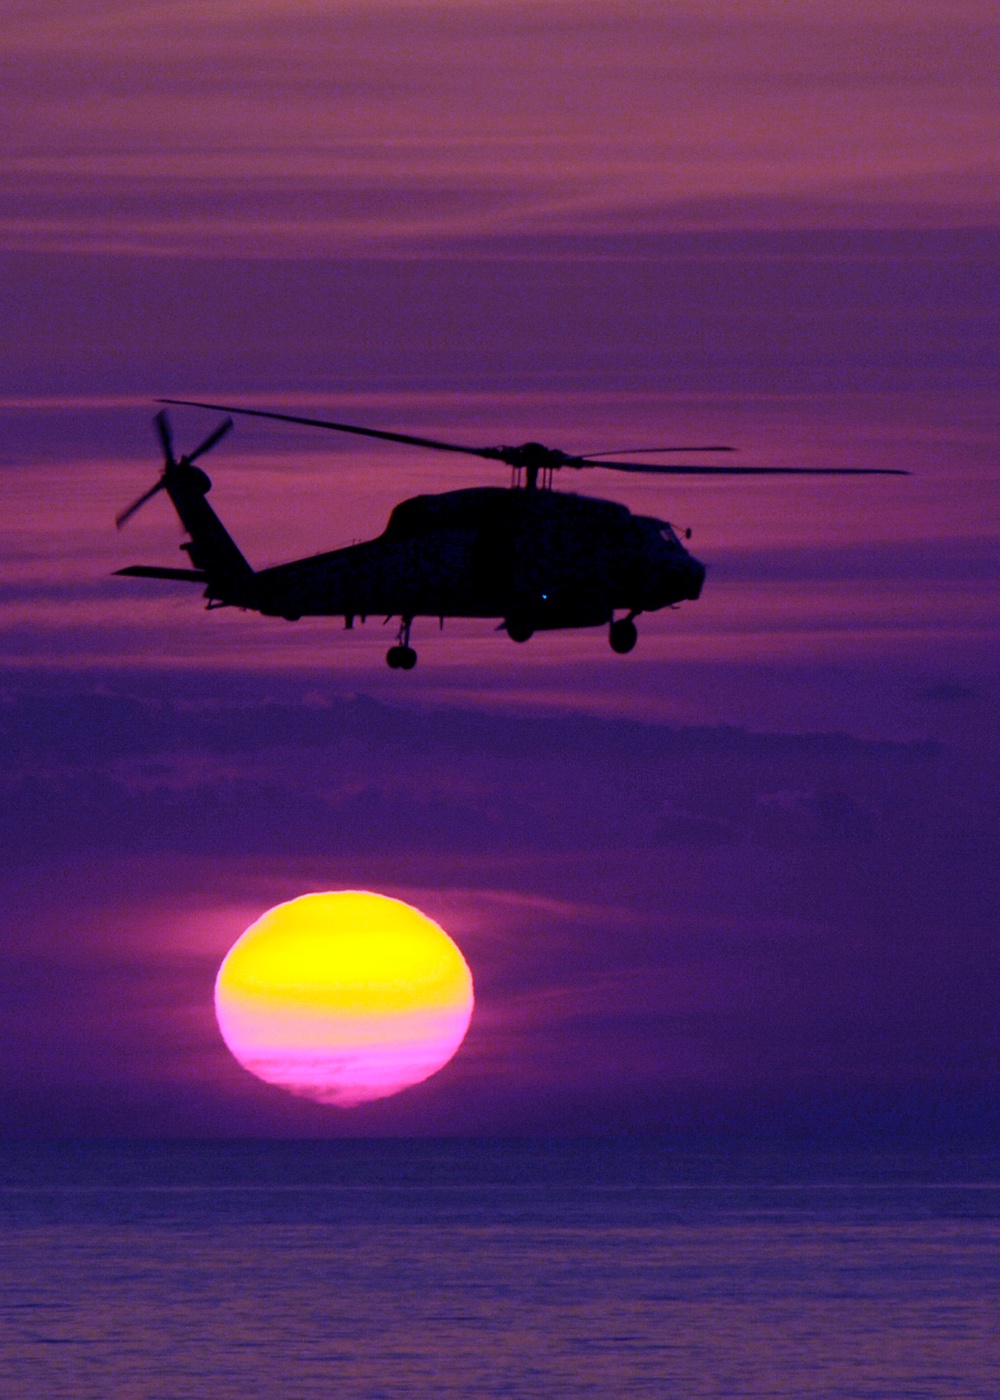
(210, 547)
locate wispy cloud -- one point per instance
(304, 129)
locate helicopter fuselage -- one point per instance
(535, 559)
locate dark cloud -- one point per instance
(135, 774)
(930, 560)
(948, 692)
(750, 311)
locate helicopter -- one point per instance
(532, 557)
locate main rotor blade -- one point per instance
(491, 452)
(503, 454)
(129, 511)
(210, 441)
(659, 470)
(166, 437)
(627, 451)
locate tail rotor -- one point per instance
(171, 465)
(206, 446)
(166, 437)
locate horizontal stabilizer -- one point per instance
(151, 571)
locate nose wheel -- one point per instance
(623, 635)
(402, 657)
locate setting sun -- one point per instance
(343, 997)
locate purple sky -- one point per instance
(744, 876)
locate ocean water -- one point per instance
(392, 1269)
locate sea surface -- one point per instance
(401, 1268)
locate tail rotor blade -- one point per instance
(128, 513)
(166, 437)
(210, 441)
(171, 464)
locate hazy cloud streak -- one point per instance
(306, 129)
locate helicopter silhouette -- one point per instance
(532, 557)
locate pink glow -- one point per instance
(335, 1061)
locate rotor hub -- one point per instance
(193, 476)
(535, 454)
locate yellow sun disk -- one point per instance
(363, 952)
(344, 997)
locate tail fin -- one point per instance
(212, 551)
(210, 547)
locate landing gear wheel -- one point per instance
(518, 630)
(623, 635)
(401, 658)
